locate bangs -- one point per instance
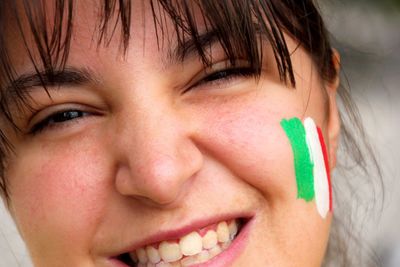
(240, 27)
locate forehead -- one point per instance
(85, 26)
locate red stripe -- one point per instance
(324, 151)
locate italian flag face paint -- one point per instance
(311, 163)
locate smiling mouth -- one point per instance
(191, 249)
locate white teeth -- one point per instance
(191, 248)
(141, 254)
(225, 245)
(152, 254)
(188, 261)
(200, 258)
(203, 256)
(222, 232)
(210, 239)
(167, 264)
(191, 244)
(215, 251)
(170, 251)
(233, 229)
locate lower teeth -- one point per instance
(201, 257)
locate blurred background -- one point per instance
(367, 35)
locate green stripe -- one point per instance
(302, 161)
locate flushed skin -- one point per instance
(147, 158)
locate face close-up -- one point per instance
(145, 155)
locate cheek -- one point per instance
(58, 197)
(248, 139)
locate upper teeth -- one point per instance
(189, 249)
(191, 244)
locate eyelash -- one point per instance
(57, 119)
(225, 76)
(67, 116)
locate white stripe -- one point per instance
(321, 187)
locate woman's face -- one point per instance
(145, 148)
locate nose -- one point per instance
(156, 156)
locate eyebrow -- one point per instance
(192, 46)
(67, 76)
(77, 77)
(54, 79)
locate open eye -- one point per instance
(58, 118)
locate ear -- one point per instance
(333, 116)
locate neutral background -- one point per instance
(367, 34)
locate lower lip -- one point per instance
(225, 258)
(228, 256)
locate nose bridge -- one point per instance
(155, 138)
(157, 156)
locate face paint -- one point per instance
(302, 161)
(311, 163)
(319, 172)
(326, 161)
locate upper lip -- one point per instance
(176, 233)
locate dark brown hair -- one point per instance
(238, 24)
